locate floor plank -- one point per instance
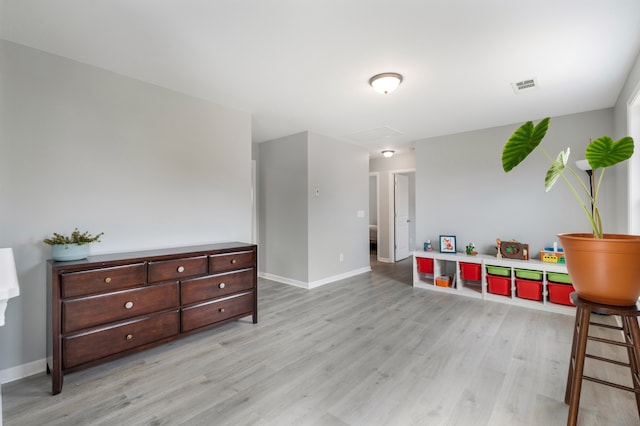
(368, 350)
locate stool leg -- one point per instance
(632, 336)
(583, 314)
(574, 344)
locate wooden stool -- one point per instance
(628, 315)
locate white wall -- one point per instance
(627, 122)
(463, 191)
(81, 146)
(386, 167)
(302, 235)
(633, 187)
(283, 208)
(340, 171)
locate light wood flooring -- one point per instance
(369, 350)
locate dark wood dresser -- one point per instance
(108, 306)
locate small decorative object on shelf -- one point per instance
(71, 247)
(447, 244)
(512, 249)
(427, 246)
(471, 249)
(552, 254)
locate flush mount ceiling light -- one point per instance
(386, 82)
(388, 153)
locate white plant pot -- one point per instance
(66, 252)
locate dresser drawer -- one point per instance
(101, 280)
(212, 312)
(212, 286)
(231, 261)
(177, 269)
(101, 309)
(100, 343)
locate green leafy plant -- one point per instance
(600, 153)
(76, 237)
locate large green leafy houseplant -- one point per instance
(604, 268)
(600, 153)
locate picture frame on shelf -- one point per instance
(447, 243)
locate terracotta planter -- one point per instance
(604, 270)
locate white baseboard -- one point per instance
(339, 277)
(22, 371)
(313, 284)
(384, 260)
(283, 280)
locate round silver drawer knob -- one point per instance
(129, 336)
(128, 305)
(222, 285)
(180, 268)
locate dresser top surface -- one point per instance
(155, 254)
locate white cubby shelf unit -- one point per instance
(514, 291)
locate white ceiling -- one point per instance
(300, 65)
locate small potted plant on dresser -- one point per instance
(71, 247)
(604, 268)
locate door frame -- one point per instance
(392, 212)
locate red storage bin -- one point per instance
(470, 271)
(559, 293)
(499, 285)
(425, 265)
(528, 289)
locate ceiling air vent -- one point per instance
(525, 85)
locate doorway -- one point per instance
(374, 214)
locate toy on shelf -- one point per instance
(471, 249)
(427, 246)
(552, 254)
(512, 249)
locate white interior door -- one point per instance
(401, 217)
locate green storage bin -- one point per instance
(499, 270)
(558, 277)
(527, 274)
